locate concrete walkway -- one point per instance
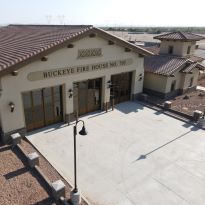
(131, 156)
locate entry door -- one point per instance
(121, 89)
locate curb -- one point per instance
(68, 181)
(170, 114)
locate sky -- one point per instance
(104, 12)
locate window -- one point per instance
(191, 81)
(188, 49)
(170, 49)
(173, 85)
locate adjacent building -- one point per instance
(51, 74)
(173, 68)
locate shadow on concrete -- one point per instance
(96, 114)
(144, 156)
(128, 107)
(159, 112)
(187, 125)
(49, 128)
(195, 128)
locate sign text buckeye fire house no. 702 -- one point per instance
(59, 72)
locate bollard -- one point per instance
(16, 139)
(58, 189)
(196, 115)
(33, 159)
(167, 104)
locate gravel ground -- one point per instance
(20, 185)
(194, 102)
(47, 169)
(183, 104)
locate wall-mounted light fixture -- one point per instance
(70, 92)
(140, 77)
(109, 84)
(14, 72)
(12, 106)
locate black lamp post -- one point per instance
(82, 132)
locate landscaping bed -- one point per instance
(19, 184)
(190, 102)
(186, 103)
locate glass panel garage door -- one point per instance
(121, 87)
(87, 97)
(42, 107)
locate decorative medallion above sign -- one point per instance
(60, 72)
(91, 52)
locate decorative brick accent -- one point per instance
(92, 52)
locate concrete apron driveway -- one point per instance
(133, 155)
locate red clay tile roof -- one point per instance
(153, 49)
(18, 43)
(167, 65)
(182, 36)
(21, 43)
(196, 58)
(189, 67)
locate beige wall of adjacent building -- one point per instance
(194, 75)
(155, 82)
(162, 84)
(14, 86)
(179, 48)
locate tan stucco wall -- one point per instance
(180, 48)
(162, 84)
(155, 82)
(178, 85)
(195, 76)
(13, 86)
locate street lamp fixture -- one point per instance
(75, 196)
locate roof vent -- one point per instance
(44, 58)
(111, 42)
(70, 45)
(127, 49)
